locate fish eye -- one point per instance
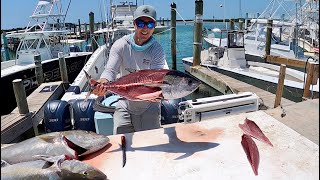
(190, 82)
(85, 173)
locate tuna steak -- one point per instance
(252, 129)
(252, 152)
(71, 143)
(151, 85)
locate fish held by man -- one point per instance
(150, 85)
(73, 143)
(252, 129)
(55, 168)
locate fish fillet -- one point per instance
(251, 128)
(252, 152)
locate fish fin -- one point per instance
(4, 163)
(151, 97)
(50, 158)
(130, 70)
(155, 84)
(48, 139)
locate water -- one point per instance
(184, 48)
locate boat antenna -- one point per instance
(66, 11)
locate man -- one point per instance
(136, 51)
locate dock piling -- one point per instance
(63, 68)
(282, 75)
(198, 23)
(312, 69)
(38, 69)
(268, 36)
(93, 42)
(20, 95)
(173, 36)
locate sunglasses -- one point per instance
(149, 24)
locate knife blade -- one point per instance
(123, 147)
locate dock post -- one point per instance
(231, 24)
(38, 69)
(93, 42)
(312, 69)
(5, 46)
(63, 68)
(173, 36)
(20, 95)
(246, 21)
(79, 28)
(86, 31)
(241, 24)
(282, 75)
(198, 23)
(75, 30)
(268, 36)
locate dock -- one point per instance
(15, 124)
(303, 117)
(226, 84)
(209, 150)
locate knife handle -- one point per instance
(123, 141)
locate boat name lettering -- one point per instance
(54, 120)
(84, 119)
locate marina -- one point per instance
(236, 80)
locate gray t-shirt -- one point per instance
(123, 57)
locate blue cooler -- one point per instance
(57, 116)
(83, 114)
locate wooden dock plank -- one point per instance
(15, 124)
(303, 117)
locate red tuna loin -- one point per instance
(252, 129)
(251, 150)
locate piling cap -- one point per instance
(145, 11)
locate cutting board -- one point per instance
(210, 150)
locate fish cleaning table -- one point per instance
(210, 150)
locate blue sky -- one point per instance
(15, 13)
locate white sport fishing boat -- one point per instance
(45, 35)
(231, 61)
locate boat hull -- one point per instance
(51, 73)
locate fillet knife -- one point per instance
(123, 147)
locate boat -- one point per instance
(121, 21)
(231, 61)
(45, 35)
(295, 30)
(254, 40)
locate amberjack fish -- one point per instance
(73, 143)
(150, 85)
(54, 168)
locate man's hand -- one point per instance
(100, 90)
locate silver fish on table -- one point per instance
(151, 85)
(73, 143)
(58, 169)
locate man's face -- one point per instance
(144, 28)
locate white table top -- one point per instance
(210, 150)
